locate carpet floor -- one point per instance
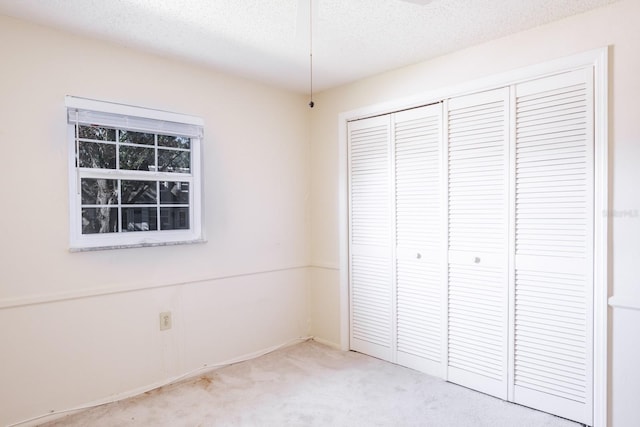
(310, 384)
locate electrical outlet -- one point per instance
(165, 320)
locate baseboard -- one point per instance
(327, 343)
(56, 415)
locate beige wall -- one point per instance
(65, 338)
(616, 26)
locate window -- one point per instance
(134, 176)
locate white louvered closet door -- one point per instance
(477, 138)
(417, 137)
(370, 237)
(554, 245)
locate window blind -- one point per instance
(91, 112)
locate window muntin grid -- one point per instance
(133, 181)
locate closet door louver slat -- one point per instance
(370, 251)
(553, 244)
(477, 138)
(417, 136)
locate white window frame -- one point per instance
(138, 119)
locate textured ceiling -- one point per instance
(268, 40)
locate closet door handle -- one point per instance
(418, 255)
(477, 260)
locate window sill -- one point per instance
(136, 245)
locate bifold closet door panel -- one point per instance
(554, 245)
(417, 136)
(370, 237)
(477, 139)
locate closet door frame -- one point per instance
(598, 60)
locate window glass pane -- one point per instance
(139, 219)
(136, 137)
(137, 158)
(96, 132)
(99, 220)
(174, 218)
(174, 192)
(174, 141)
(99, 191)
(138, 192)
(174, 161)
(96, 155)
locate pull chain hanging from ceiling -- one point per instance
(311, 104)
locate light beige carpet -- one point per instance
(310, 384)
